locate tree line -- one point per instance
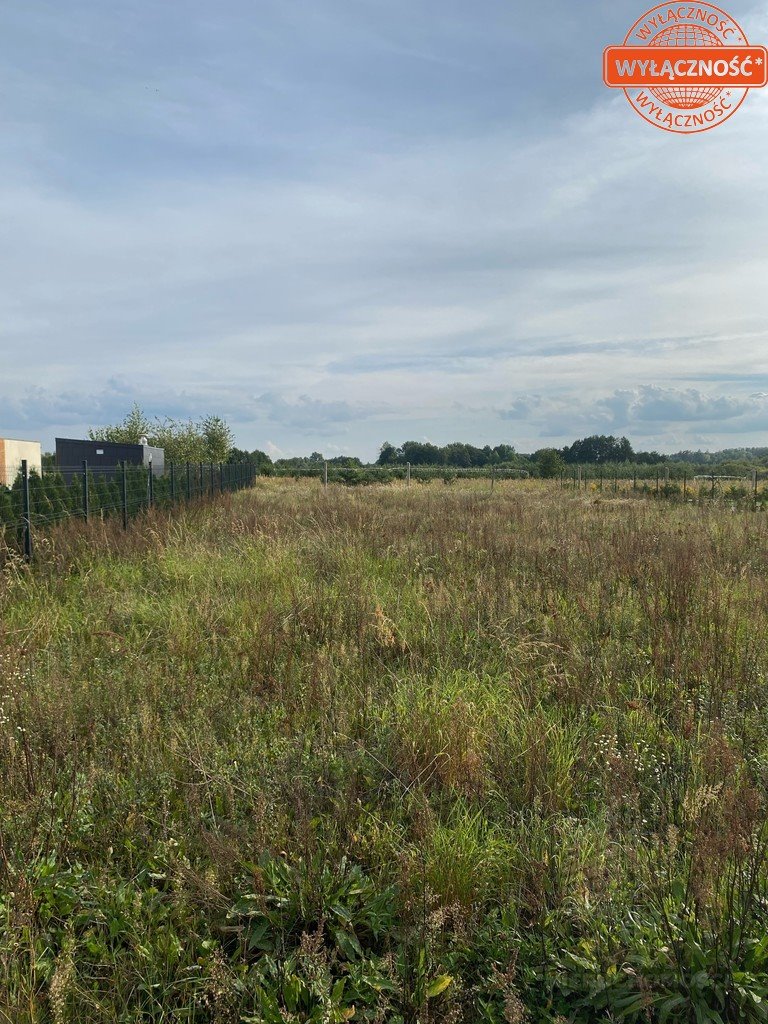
(596, 449)
(211, 440)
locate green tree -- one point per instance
(388, 455)
(207, 440)
(420, 453)
(257, 457)
(599, 448)
(182, 441)
(654, 458)
(550, 462)
(218, 438)
(129, 431)
(346, 462)
(505, 452)
(457, 454)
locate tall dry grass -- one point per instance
(423, 754)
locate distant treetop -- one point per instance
(209, 439)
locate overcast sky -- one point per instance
(340, 222)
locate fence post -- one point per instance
(601, 479)
(151, 482)
(173, 483)
(189, 482)
(221, 477)
(408, 476)
(86, 503)
(713, 487)
(200, 469)
(754, 485)
(27, 522)
(325, 475)
(685, 485)
(125, 494)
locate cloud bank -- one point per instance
(338, 227)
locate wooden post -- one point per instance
(408, 475)
(325, 475)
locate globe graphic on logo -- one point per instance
(685, 97)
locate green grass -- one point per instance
(388, 755)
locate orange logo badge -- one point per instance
(685, 67)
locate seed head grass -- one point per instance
(387, 754)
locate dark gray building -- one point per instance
(105, 456)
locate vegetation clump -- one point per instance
(438, 754)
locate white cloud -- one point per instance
(214, 249)
(674, 417)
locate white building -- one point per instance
(11, 454)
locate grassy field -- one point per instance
(388, 755)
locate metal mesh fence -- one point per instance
(33, 501)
